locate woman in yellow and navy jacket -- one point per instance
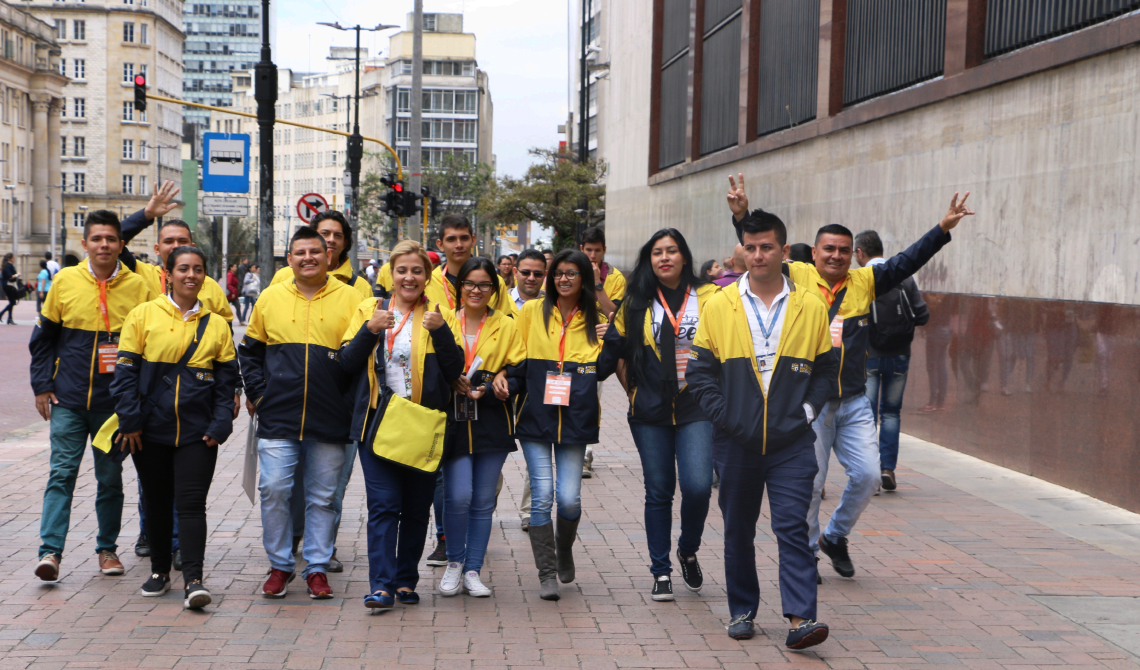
(559, 413)
(172, 417)
(653, 334)
(408, 345)
(483, 434)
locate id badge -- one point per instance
(682, 365)
(397, 371)
(837, 332)
(558, 389)
(466, 409)
(108, 355)
(765, 361)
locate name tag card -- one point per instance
(557, 389)
(682, 365)
(108, 356)
(466, 409)
(766, 361)
(837, 332)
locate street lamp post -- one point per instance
(12, 188)
(356, 141)
(265, 92)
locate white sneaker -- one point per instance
(474, 586)
(452, 582)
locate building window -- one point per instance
(79, 185)
(78, 30)
(79, 107)
(61, 29)
(429, 23)
(79, 144)
(77, 219)
(142, 33)
(403, 132)
(128, 2)
(404, 101)
(63, 145)
(142, 157)
(128, 73)
(128, 150)
(63, 66)
(80, 67)
(406, 67)
(129, 111)
(128, 183)
(128, 31)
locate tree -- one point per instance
(241, 244)
(557, 192)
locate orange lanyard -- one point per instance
(103, 303)
(562, 339)
(447, 291)
(829, 294)
(469, 352)
(392, 333)
(162, 274)
(675, 320)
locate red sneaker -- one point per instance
(277, 584)
(319, 588)
(48, 568)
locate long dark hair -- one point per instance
(706, 267)
(641, 292)
(476, 263)
(587, 300)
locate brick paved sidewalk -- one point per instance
(944, 579)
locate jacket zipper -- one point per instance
(177, 418)
(305, 395)
(91, 374)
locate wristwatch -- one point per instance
(599, 286)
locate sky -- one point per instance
(520, 44)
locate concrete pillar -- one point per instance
(55, 170)
(41, 176)
(832, 52)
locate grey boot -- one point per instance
(564, 538)
(542, 544)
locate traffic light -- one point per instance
(393, 202)
(140, 92)
(413, 203)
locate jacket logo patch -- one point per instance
(332, 355)
(693, 355)
(204, 376)
(801, 367)
(863, 323)
(123, 360)
(587, 369)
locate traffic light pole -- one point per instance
(355, 157)
(265, 92)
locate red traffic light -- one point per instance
(140, 80)
(398, 187)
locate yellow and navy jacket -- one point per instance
(448, 296)
(212, 297)
(863, 286)
(344, 274)
(578, 422)
(152, 342)
(289, 362)
(723, 374)
(614, 285)
(383, 288)
(438, 361)
(69, 330)
(501, 348)
(650, 399)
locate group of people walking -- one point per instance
(449, 369)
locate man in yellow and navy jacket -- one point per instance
(299, 392)
(761, 366)
(457, 241)
(74, 349)
(337, 234)
(609, 286)
(846, 424)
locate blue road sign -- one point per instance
(225, 163)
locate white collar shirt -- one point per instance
(764, 345)
(193, 310)
(92, 271)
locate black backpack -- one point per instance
(892, 321)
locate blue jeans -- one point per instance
(667, 451)
(142, 518)
(851, 434)
(70, 430)
(470, 480)
(324, 462)
(247, 302)
(297, 502)
(540, 465)
(788, 474)
(399, 509)
(887, 376)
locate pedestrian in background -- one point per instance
(653, 334)
(251, 288)
(233, 290)
(560, 413)
(710, 270)
(10, 277)
(43, 285)
(735, 269)
(894, 315)
(506, 267)
(173, 429)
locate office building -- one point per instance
(221, 38)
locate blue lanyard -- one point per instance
(767, 332)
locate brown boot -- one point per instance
(545, 559)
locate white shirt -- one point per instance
(52, 267)
(517, 297)
(764, 347)
(193, 310)
(683, 342)
(92, 271)
(398, 371)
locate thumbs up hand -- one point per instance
(434, 319)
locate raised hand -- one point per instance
(162, 202)
(601, 329)
(381, 319)
(958, 211)
(433, 320)
(737, 200)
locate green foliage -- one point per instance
(557, 192)
(242, 240)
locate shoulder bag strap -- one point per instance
(836, 304)
(171, 377)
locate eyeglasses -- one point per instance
(483, 287)
(537, 274)
(569, 274)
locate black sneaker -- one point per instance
(741, 628)
(438, 558)
(663, 589)
(142, 546)
(197, 596)
(691, 572)
(889, 483)
(837, 552)
(818, 578)
(156, 586)
(177, 560)
(808, 634)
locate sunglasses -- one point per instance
(539, 274)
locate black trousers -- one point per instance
(184, 474)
